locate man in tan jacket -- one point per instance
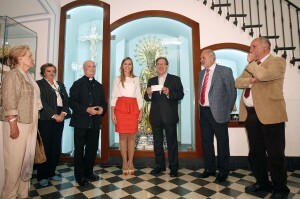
(263, 109)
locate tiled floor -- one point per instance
(142, 185)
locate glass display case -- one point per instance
(83, 41)
(13, 33)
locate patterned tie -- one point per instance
(202, 97)
(247, 91)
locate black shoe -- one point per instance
(82, 182)
(257, 187)
(157, 170)
(279, 195)
(221, 178)
(174, 173)
(92, 177)
(206, 174)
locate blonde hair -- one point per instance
(15, 53)
(122, 76)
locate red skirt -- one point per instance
(127, 114)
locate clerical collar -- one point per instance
(89, 78)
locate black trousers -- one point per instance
(172, 144)
(267, 144)
(51, 133)
(209, 129)
(86, 146)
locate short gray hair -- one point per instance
(210, 53)
(265, 42)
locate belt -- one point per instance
(204, 106)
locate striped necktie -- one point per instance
(202, 97)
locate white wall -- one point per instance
(43, 17)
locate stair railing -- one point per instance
(288, 11)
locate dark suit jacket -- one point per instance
(80, 99)
(164, 109)
(49, 100)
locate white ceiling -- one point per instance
(15, 8)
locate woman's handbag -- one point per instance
(40, 156)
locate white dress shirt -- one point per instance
(131, 89)
(211, 73)
(56, 88)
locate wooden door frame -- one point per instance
(105, 60)
(196, 67)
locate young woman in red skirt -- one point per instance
(126, 105)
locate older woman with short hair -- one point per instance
(21, 102)
(51, 122)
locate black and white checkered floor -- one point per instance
(113, 184)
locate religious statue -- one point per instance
(93, 38)
(147, 50)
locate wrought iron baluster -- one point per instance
(298, 22)
(291, 30)
(212, 5)
(251, 30)
(266, 17)
(275, 34)
(220, 10)
(258, 17)
(235, 19)
(284, 55)
(243, 27)
(227, 16)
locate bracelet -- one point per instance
(13, 119)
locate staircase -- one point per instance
(277, 20)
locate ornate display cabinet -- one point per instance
(145, 36)
(13, 33)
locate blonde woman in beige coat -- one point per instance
(21, 102)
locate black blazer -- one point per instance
(163, 108)
(49, 100)
(80, 100)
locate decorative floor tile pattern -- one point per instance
(113, 184)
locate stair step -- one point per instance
(276, 49)
(295, 60)
(253, 26)
(271, 37)
(237, 15)
(285, 48)
(220, 5)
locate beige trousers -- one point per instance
(2, 177)
(19, 153)
(14, 154)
